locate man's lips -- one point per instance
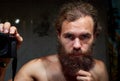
(76, 54)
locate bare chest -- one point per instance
(54, 73)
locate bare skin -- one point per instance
(49, 68)
(76, 35)
(46, 68)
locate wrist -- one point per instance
(4, 62)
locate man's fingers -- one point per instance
(84, 73)
(1, 27)
(20, 39)
(13, 30)
(82, 78)
(6, 27)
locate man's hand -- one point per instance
(8, 29)
(84, 76)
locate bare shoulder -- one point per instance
(50, 58)
(34, 69)
(29, 69)
(99, 64)
(100, 70)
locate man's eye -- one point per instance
(70, 36)
(84, 37)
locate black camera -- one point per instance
(8, 45)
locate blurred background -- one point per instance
(35, 18)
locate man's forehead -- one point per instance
(83, 24)
(77, 33)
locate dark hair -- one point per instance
(75, 10)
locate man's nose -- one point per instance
(77, 44)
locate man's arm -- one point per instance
(33, 70)
(104, 73)
(6, 28)
(3, 66)
(101, 71)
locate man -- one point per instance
(77, 28)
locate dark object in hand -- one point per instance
(7, 46)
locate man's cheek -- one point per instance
(85, 47)
(67, 48)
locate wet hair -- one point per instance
(75, 10)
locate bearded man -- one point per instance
(77, 28)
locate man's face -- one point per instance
(77, 37)
(75, 45)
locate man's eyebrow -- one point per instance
(82, 33)
(67, 33)
(86, 34)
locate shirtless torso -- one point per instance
(49, 69)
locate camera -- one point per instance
(8, 45)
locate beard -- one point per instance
(72, 64)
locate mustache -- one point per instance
(76, 51)
(81, 53)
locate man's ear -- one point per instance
(58, 35)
